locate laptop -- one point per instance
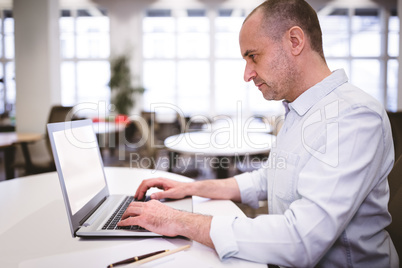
(90, 207)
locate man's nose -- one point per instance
(249, 73)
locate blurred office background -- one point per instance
(185, 53)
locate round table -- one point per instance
(219, 146)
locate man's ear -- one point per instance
(297, 39)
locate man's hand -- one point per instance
(152, 215)
(215, 189)
(172, 189)
(162, 219)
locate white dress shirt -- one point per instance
(326, 186)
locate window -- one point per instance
(7, 70)
(176, 59)
(192, 59)
(365, 43)
(392, 65)
(85, 48)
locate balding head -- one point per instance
(278, 16)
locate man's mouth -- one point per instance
(259, 85)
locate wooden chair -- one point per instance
(38, 157)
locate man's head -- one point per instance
(277, 40)
(280, 15)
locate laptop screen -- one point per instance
(80, 164)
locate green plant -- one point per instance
(120, 85)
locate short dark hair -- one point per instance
(281, 15)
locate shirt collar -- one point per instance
(314, 94)
(286, 105)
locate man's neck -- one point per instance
(312, 71)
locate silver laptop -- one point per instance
(91, 210)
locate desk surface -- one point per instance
(221, 143)
(36, 231)
(10, 138)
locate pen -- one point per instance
(137, 258)
(160, 255)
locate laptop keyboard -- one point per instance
(111, 224)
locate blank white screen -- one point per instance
(80, 164)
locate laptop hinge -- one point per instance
(92, 215)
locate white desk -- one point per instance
(223, 145)
(34, 230)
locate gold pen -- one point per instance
(136, 258)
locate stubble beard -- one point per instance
(285, 79)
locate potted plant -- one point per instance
(122, 91)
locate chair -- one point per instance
(196, 123)
(41, 152)
(141, 136)
(395, 204)
(188, 166)
(396, 127)
(153, 126)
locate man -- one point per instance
(328, 204)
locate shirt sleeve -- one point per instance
(253, 187)
(330, 196)
(223, 236)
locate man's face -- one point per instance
(267, 62)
